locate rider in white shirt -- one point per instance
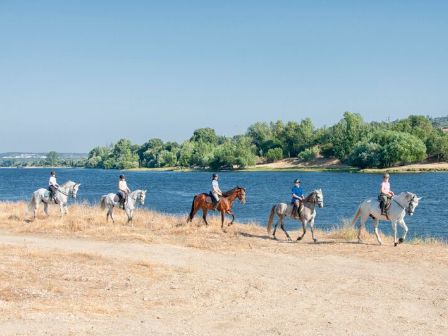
(216, 192)
(53, 186)
(123, 190)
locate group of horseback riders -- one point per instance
(123, 189)
(297, 193)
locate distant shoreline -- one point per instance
(292, 165)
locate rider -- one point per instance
(216, 192)
(53, 186)
(297, 198)
(385, 193)
(123, 190)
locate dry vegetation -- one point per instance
(81, 275)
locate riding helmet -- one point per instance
(297, 181)
(386, 175)
(215, 175)
(121, 176)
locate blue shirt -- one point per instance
(296, 191)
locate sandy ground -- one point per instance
(334, 163)
(168, 278)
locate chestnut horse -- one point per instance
(224, 205)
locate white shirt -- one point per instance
(122, 185)
(52, 181)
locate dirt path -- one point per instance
(64, 286)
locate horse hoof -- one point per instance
(274, 237)
(289, 239)
(401, 240)
(315, 240)
(395, 244)
(299, 238)
(359, 241)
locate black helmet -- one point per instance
(297, 181)
(215, 175)
(121, 176)
(53, 173)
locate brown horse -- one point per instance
(224, 205)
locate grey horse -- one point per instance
(308, 213)
(43, 195)
(397, 211)
(108, 201)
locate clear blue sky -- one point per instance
(77, 74)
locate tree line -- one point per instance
(351, 140)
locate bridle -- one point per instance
(410, 205)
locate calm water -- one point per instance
(172, 192)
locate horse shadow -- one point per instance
(251, 235)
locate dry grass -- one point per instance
(88, 221)
(42, 281)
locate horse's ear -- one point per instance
(419, 198)
(79, 184)
(144, 191)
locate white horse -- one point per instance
(111, 201)
(43, 195)
(308, 213)
(396, 213)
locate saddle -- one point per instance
(118, 198)
(209, 198)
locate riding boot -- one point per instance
(383, 210)
(299, 210)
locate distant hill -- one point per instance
(439, 122)
(35, 156)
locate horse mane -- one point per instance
(308, 198)
(229, 192)
(65, 183)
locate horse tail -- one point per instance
(103, 202)
(271, 218)
(190, 217)
(32, 203)
(357, 214)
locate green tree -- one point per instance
(274, 154)
(52, 159)
(206, 134)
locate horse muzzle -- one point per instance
(321, 205)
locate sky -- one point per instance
(80, 74)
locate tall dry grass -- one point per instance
(89, 221)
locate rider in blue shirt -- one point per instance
(297, 198)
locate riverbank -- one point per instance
(322, 165)
(81, 275)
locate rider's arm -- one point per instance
(298, 197)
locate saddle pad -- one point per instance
(47, 194)
(117, 198)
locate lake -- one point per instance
(172, 193)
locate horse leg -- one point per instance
(360, 226)
(233, 217)
(46, 209)
(375, 227)
(394, 227)
(130, 217)
(275, 227)
(204, 215)
(312, 230)
(304, 230)
(111, 214)
(405, 227)
(61, 208)
(66, 209)
(282, 225)
(222, 219)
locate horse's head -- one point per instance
(319, 198)
(75, 189)
(241, 194)
(141, 196)
(413, 203)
